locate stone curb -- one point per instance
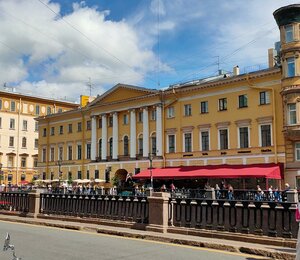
(210, 245)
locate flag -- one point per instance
(128, 176)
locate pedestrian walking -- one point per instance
(230, 192)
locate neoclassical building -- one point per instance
(19, 132)
(230, 119)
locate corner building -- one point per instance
(19, 133)
(237, 119)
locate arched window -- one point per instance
(110, 146)
(140, 145)
(100, 149)
(125, 145)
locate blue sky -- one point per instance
(52, 48)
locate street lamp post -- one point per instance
(59, 171)
(1, 173)
(151, 176)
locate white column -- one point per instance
(132, 134)
(94, 139)
(158, 131)
(145, 133)
(104, 137)
(115, 136)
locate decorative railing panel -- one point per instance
(14, 201)
(134, 209)
(257, 217)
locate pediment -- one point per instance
(122, 92)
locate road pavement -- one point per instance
(47, 243)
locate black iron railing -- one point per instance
(14, 201)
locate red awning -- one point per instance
(268, 171)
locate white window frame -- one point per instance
(239, 139)
(183, 142)
(12, 123)
(297, 149)
(291, 73)
(289, 30)
(200, 139)
(168, 150)
(259, 133)
(289, 114)
(125, 119)
(153, 115)
(51, 159)
(25, 125)
(187, 108)
(206, 107)
(228, 138)
(60, 158)
(171, 112)
(266, 97)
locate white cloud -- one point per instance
(46, 51)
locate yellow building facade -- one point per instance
(228, 119)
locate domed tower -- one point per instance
(288, 20)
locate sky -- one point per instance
(58, 48)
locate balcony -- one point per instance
(292, 132)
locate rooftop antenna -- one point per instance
(90, 86)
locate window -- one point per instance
(12, 106)
(88, 151)
(44, 132)
(153, 144)
(96, 174)
(140, 117)
(44, 154)
(204, 141)
(70, 152)
(244, 137)
(265, 135)
(23, 162)
(171, 112)
(171, 143)
(9, 177)
(0, 122)
(188, 110)
(79, 152)
(290, 67)
(243, 101)
(100, 123)
(126, 145)
(110, 147)
(125, 119)
(140, 145)
(23, 177)
(222, 104)
(24, 142)
(25, 125)
(35, 162)
(187, 142)
(11, 141)
(110, 121)
(61, 129)
(288, 33)
(49, 110)
(52, 130)
(60, 153)
(10, 161)
(153, 115)
(88, 125)
(0, 103)
(292, 114)
(79, 176)
(36, 126)
(79, 127)
(100, 148)
(37, 110)
(297, 151)
(70, 128)
(264, 97)
(12, 123)
(52, 156)
(88, 174)
(223, 135)
(204, 107)
(36, 143)
(59, 110)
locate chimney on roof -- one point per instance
(236, 70)
(271, 55)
